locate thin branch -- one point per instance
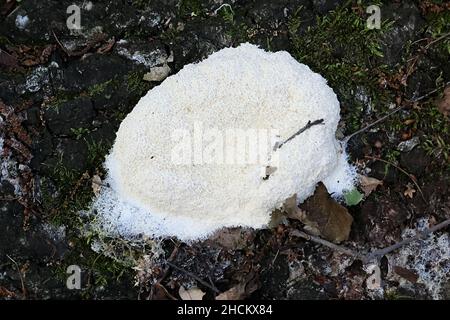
(9, 199)
(331, 245)
(377, 254)
(306, 127)
(223, 5)
(346, 139)
(437, 40)
(190, 274)
(61, 45)
(165, 271)
(165, 291)
(419, 236)
(22, 282)
(278, 145)
(401, 170)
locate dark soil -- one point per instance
(63, 95)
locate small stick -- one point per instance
(166, 291)
(377, 254)
(306, 127)
(346, 139)
(223, 5)
(24, 290)
(401, 170)
(420, 235)
(190, 274)
(165, 271)
(437, 40)
(61, 45)
(304, 235)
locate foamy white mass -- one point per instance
(235, 88)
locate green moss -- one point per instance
(141, 4)
(61, 97)
(79, 132)
(98, 89)
(436, 138)
(191, 8)
(339, 46)
(227, 14)
(97, 152)
(342, 49)
(98, 270)
(64, 193)
(5, 41)
(136, 84)
(395, 295)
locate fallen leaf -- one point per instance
(326, 217)
(409, 192)
(7, 60)
(30, 62)
(46, 53)
(107, 47)
(292, 210)
(96, 185)
(235, 293)
(246, 286)
(352, 198)
(193, 293)
(5, 293)
(369, 184)
(233, 238)
(444, 103)
(407, 274)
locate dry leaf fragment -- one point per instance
(30, 62)
(233, 238)
(107, 47)
(193, 293)
(7, 60)
(326, 217)
(407, 274)
(247, 285)
(235, 293)
(444, 103)
(96, 185)
(292, 210)
(409, 192)
(369, 184)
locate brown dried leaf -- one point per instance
(248, 284)
(409, 192)
(327, 217)
(30, 62)
(235, 293)
(193, 293)
(407, 274)
(233, 238)
(444, 103)
(7, 60)
(46, 53)
(5, 293)
(96, 185)
(369, 184)
(107, 47)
